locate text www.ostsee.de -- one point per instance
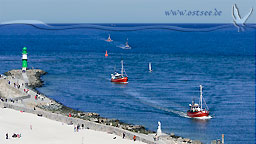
(214, 12)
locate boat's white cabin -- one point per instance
(116, 75)
(195, 107)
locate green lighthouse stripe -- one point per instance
(24, 63)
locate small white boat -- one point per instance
(127, 45)
(109, 39)
(149, 67)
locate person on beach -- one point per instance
(74, 128)
(123, 135)
(6, 135)
(134, 137)
(155, 137)
(14, 135)
(31, 127)
(78, 127)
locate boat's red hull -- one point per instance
(120, 80)
(198, 114)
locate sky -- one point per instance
(121, 11)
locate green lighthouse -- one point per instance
(24, 59)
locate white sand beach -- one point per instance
(46, 131)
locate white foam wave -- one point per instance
(204, 117)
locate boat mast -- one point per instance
(122, 69)
(201, 96)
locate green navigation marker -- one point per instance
(24, 59)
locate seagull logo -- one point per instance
(238, 21)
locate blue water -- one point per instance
(79, 75)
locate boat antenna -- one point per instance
(205, 104)
(122, 69)
(201, 96)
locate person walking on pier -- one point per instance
(134, 137)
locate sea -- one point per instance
(216, 56)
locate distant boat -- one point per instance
(109, 39)
(127, 45)
(120, 78)
(196, 110)
(149, 67)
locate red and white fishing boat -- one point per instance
(197, 110)
(120, 78)
(109, 39)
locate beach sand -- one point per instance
(46, 131)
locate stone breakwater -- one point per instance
(21, 96)
(34, 76)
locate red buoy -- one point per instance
(106, 54)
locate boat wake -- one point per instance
(123, 47)
(147, 102)
(179, 113)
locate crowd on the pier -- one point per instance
(18, 86)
